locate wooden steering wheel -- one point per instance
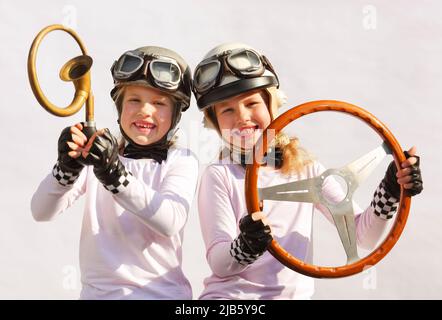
(309, 190)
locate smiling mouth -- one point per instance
(245, 132)
(144, 126)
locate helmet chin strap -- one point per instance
(244, 157)
(240, 155)
(274, 104)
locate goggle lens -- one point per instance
(206, 75)
(165, 72)
(127, 65)
(245, 62)
(130, 64)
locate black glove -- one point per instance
(67, 169)
(252, 242)
(390, 179)
(108, 168)
(88, 132)
(255, 235)
(67, 163)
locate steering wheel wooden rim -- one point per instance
(253, 203)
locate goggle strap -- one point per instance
(269, 66)
(145, 67)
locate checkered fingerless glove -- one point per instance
(108, 168)
(384, 204)
(64, 177)
(116, 179)
(252, 242)
(241, 256)
(394, 188)
(67, 169)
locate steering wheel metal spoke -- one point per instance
(343, 216)
(296, 191)
(361, 168)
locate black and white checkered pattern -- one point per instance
(384, 204)
(64, 178)
(120, 184)
(238, 253)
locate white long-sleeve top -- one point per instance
(221, 204)
(131, 242)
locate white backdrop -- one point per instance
(383, 56)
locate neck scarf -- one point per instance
(157, 151)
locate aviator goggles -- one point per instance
(243, 63)
(161, 72)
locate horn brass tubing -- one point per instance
(82, 86)
(90, 108)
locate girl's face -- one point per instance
(243, 118)
(146, 114)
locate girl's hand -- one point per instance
(255, 233)
(77, 142)
(253, 240)
(409, 176)
(84, 151)
(70, 144)
(102, 152)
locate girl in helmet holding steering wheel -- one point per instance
(238, 90)
(138, 191)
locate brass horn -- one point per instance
(76, 70)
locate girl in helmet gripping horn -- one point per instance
(138, 191)
(238, 90)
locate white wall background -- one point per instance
(383, 56)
